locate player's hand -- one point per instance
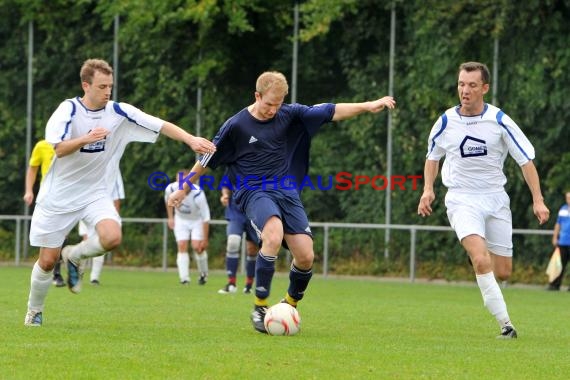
(380, 104)
(541, 212)
(201, 145)
(202, 245)
(96, 134)
(225, 200)
(28, 198)
(175, 199)
(424, 208)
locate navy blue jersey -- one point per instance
(268, 150)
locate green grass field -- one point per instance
(144, 325)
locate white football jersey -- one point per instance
(88, 174)
(193, 207)
(475, 148)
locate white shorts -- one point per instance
(83, 229)
(118, 191)
(49, 229)
(185, 229)
(486, 214)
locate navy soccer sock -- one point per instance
(231, 267)
(298, 282)
(264, 269)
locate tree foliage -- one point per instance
(170, 49)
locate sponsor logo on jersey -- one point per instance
(473, 147)
(97, 146)
(252, 139)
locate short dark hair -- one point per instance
(477, 66)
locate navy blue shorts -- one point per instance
(260, 205)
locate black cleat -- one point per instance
(202, 280)
(58, 281)
(95, 282)
(247, 289)
(257, 318)
(508, 332)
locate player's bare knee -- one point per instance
(47, 264)
(503, 274)
(481, 264)
(271, 242)
(304, 260)
(111, 241)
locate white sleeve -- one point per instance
(435, 151)
(168, 191)
(202, 204)
(145, 127)
(57, 127)
(520, 148)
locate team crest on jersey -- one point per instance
(473, 147)
(97, 146)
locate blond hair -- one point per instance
(92, 65)
(272, 80)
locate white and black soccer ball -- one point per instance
(282, 319)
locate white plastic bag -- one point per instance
(554, 267)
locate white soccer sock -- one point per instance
(183, 264)
(40, 282)
(97, 267)
(493, 298)
(202, 261)
(90, 247)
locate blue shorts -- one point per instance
(260, 205)
(238, 223)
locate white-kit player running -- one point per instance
(97, 262)
(475, 137)
(190, 221)
(88, 133)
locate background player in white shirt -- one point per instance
(189, 221)
(475, 138)
(87, 133)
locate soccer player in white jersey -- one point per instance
(190, 221)
(88, 133)
(475, 138)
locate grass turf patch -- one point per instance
(145, 325)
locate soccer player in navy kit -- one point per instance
(263, 145)
(475, 138)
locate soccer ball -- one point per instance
(282, 319)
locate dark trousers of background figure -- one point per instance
(564, 255)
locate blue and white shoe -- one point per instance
(74, 270)
(33, 318)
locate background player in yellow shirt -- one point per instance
(41, 158)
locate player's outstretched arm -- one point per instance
(347, 110)
(540, 210)
(199, 145)
(431, 169)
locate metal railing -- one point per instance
(326, 226)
